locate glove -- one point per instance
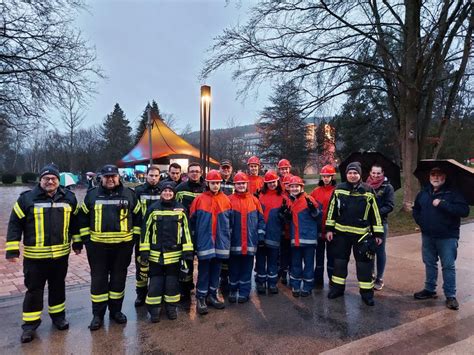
(143, 258)
(284, 213)
(367, 248)
(183, 270)
(310, 204)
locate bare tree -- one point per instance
(315, 43)
(42, 57)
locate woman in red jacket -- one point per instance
(322, 193)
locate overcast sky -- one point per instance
(155, 50)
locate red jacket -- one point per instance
(271, 203)
(323, 194)
(255, 183)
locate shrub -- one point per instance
(8, 178)
(28, 177)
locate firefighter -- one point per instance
(210, 227)
(248, 231)
(109, 217)
(305, 220)
(186, 192)
(266, 263)
(285, 245)
(44, 216)
(322, 194)
(164, 242)
(284, 167)
(174, 174)
(146, 194)
(353, 222)
(255, 181)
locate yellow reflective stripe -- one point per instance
(367, 209)
(116, 295)
(188, 243)
(366, 285)
(12, 246)
(141, 283)
(104, 297)
(123, 220)
(84, 208)
(365, 235)
(378, 219)
(18, 211)
(350, 229)
(111, 238)
(137, 208)
(144, 246)
(39, 226)
(98, 218)
(137, 230)
(85, 231)
(171, 254)
(53, 251)
(329, 219)
(153, 300)
(171, 260)
(378, 229)
(58, 308)
(338, 280)
(171, 299)
(31, 316)
(76, 238)
(67, 216)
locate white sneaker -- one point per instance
(378, 285)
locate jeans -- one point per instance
(209, 271)
(240, 274)
(298, 272)
(446, 251)
(380, 255)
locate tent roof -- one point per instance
(165, 143)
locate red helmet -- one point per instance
(327, 170)
(296, 180)
(270, 176)
(214, 176)
(284, 163)
(287, 179)
(241, 177)
(253, 160)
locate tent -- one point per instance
(165, 143)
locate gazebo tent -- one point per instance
(165, 143)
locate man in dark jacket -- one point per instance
(438, 210)
(384, 195)
(174, 175)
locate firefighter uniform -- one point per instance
(354, 218)
(109, 219)
(47, 225)
(164, 242)
(146, 195)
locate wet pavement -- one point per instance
(279, 323)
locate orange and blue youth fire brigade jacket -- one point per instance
(255, 184)
(47, 224)
(210, 225)
(322, 194)
(271, 202)
(248, 226)
(304, 223)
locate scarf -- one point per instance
(375, 183)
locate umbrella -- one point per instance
(458, 175)
(67, 179)
(90, 173)
(367, 159)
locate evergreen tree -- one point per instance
(116, 132)
(144, 119)
(283, 128)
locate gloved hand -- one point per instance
(183, 270)
(144, 256)
(284, 213)
(310, 204)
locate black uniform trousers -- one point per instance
(164, 285)
(340, 249)
(141, 271)
(109, 264)
(37, 272)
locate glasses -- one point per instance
(46, 179)
(194, 171)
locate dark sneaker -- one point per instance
(154, 314)
(335, 293)
(452, 303)
(273, 290)
(295, 293)
(119, 317)
(96, 323)
(171, 312)
(201, 306)
(61, 323)
(215, 302)
(378, 285)
(261, 289)
(27, 335)
(243, 299)
(424, 295)
(305, 293)
(232, 297)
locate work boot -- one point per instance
(141, 297)
(154, 314)
(243, 299)
(424, 295)
(368, 299)
(119, 317)
(224, 285)
(96, 323)
(273, 289)
(305, 293)
(452, 303)
(60, 323)
(185, 300)
(27, 335)
(213, 300)
(261, 289)
(296, 293)
(335, 293)
(284, 278)
(319, 283)
(171, 311)
(232, 296)
(201, 306)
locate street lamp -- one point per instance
(205, 127)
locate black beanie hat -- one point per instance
(49, 169)
(168, 185)
(355, 165)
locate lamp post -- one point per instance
(149, 125)
(205, 127)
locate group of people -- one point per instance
(233, 224)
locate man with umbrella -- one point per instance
(438, 210)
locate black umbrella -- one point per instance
(367, 159)
(458, 175)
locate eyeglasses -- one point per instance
(194, 171)
(46, 179)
